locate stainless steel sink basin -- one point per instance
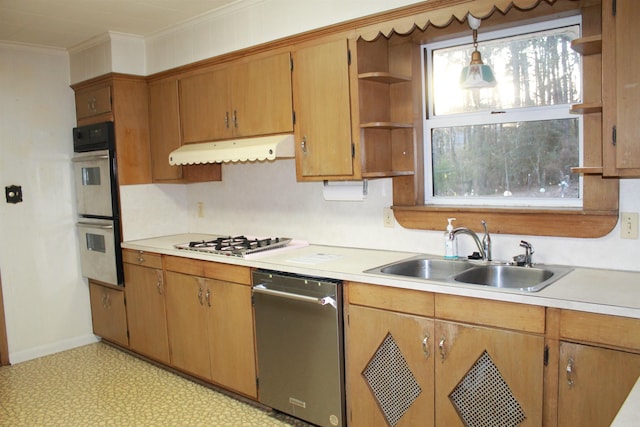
(495, 275)
(424, 268)
(530, 279)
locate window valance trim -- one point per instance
(440, 16)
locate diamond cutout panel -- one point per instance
(483, 398)
(392, 382)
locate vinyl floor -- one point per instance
(98, 385)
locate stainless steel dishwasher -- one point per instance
(299, 346)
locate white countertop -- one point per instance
(592, 290)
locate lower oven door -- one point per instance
(100, 255)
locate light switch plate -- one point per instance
(387, 217)
(629, 225)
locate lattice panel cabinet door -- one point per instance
(389, 369)
(487, 377)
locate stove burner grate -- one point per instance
(235, 245)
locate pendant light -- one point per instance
(476, 75)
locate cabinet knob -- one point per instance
(303, 144)
(208, 297)
(200, 296)
(235, 119)
(226, 119)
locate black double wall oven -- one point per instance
(96, 183)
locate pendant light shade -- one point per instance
(476, 75)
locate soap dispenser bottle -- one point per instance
(450, 243)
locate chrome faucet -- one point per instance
(525, 259)
(484, 247)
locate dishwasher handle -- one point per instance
(261, 289)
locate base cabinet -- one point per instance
(407, 367)
(146, 316)
(389, 368)
(595, 380)
(211, 334)
(487, 376)
(108, 314)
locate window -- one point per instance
(512, 145)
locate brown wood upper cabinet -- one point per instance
(93, 101)
(245, 99)
(621, 89)
(322, 103)
(165, 136)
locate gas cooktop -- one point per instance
(238, 246)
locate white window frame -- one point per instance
(432, 121)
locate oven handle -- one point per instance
(261, 289)
(89, 158)
(94, 225)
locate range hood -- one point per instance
(236, 150)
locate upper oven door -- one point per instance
(93, 180)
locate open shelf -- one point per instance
(386, 174)
(587, 108)
(385, 125)
(384, 77)
(585, 46)
(588, 170)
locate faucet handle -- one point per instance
(528, 247)
(528, 252)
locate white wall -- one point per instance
(45, 298)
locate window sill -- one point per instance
(519, 221)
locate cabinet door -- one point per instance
(93, 101)
(187, 323)
(487, 376)
(146, 311)
(233, 363)
(261, 96)
(594, 382)
(108, 313)
(321, 101)
(205, 107)
(389, 367)
(621, 91)
(164, 129)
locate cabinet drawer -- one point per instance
(395, 299)
(145, 259)
(228, 273)
(93, 102)
(521, 317)
(208, 269)
(190, 266)
(600, 329)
